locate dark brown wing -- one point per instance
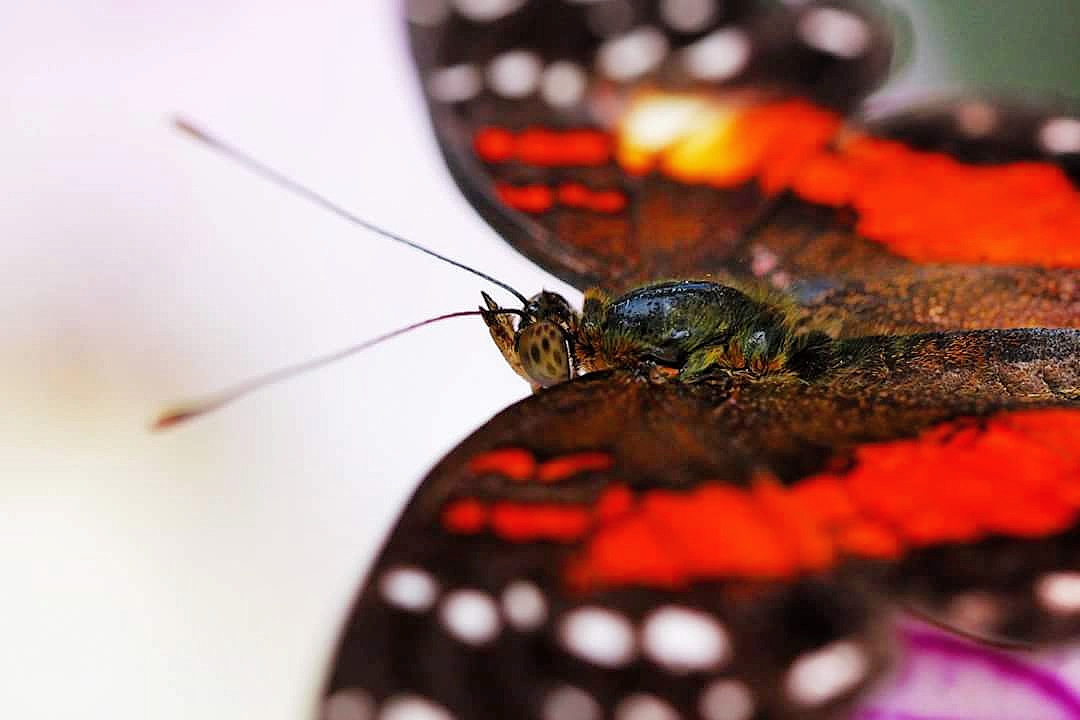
(617, 548)
(958, 214)
(619, 142)
(562, 67)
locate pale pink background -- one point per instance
(204, 573)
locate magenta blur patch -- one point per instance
(945, 677)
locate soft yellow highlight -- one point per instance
(690, 138)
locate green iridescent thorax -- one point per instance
(689, 329)
(692, 326)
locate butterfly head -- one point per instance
(539, 345)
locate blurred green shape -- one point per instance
(1025, 46)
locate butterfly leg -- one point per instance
(730, 355)
(703, 362)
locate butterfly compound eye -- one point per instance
(542, 351)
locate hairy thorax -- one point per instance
(688, 329)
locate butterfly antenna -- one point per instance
(189, 411)
(293, 186)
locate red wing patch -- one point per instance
(541, 198)
(518, 522)
(929, 207)
(544, 148)
(921, 205)
(465, 517)
(1016, 475)
(520, 465)
(567, 466)
(514, 463)
(925, 206)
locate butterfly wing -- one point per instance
(732, 549)
(526, 105)
(617, 548)
(615, 143)
(955, 214)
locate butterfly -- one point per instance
(827, 371)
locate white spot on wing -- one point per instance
(682, 639)
(1061, 135)
(348, 704)
(834, 31)
(630, 56)
(514, 74)
(563, 84)
(454, 84)
(976, 119)
(655, 124)
(1059, 592)
(408, 588)
(726, 700)
(413, 707)
(428, 13)
(688, 16)
(487, 10)
(645, 707)
(570, 703)
(470, 616)
(823, 675)
(718, 56)
(602, 637)
(524, 605)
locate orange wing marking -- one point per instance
(466, 517)
(576, 195)
(925, 206)
(520, 465)
(1014, 475)
(517, 521)
(536, 199)
(544, 148)
(521, 522)
(541, 147)
(562, 468)
(1018, 475)
(514, 463)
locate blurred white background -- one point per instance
(203, 573)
